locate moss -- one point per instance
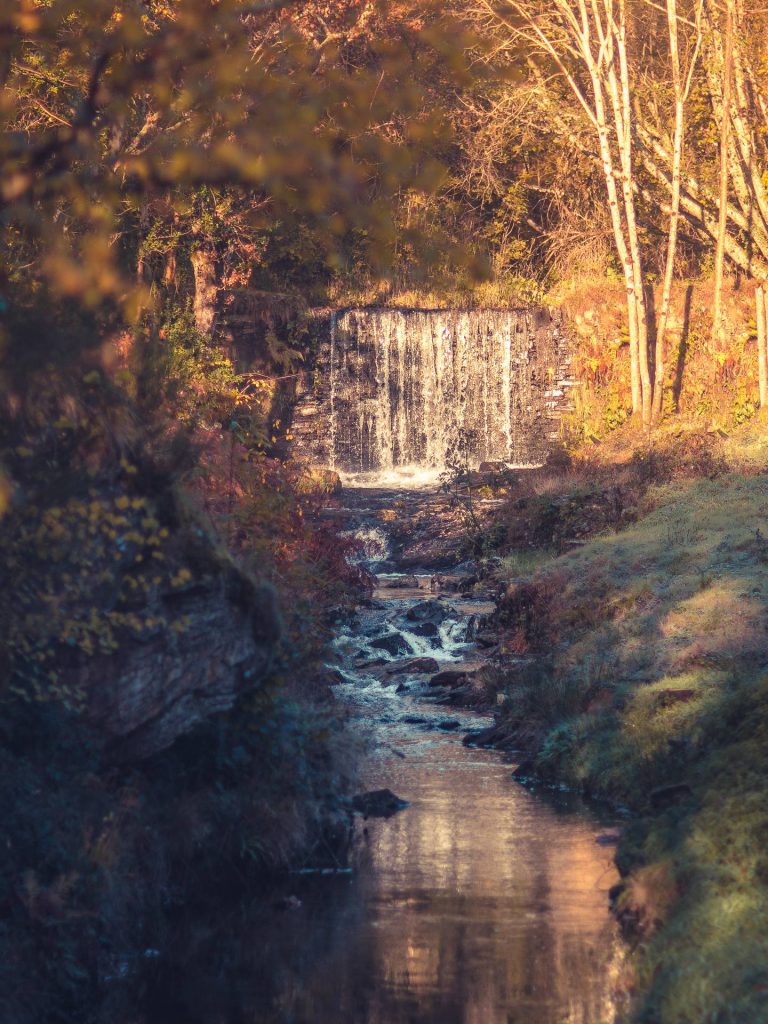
(651, 689)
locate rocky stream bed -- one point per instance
(468, 898)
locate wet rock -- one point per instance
(454, 582)
(426, 629)
(427, 611)
(471, 629)
(415, 665)
(496, 736)
(373, 663)
(415, 720)
(450, 725)
(393, 643)
(449, 677)
(486, 638)
(401, 688)
(460, 697)
(378, 803)
(398, 582)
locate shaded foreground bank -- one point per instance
(167, 723)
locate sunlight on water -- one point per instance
(414, 477)
(397, 477)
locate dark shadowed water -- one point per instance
(481, 903)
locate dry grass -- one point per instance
(652, 673)
(706, 383)
(500, 293)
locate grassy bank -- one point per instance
(644, 628)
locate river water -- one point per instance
(481, 902)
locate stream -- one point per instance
(480, 902)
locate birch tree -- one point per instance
(585, 44)
(682, 80)
(726, 74)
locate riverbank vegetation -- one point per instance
(642, 680)
(169, 589)
(181, 182)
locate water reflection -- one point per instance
(479, 904)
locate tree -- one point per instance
(725, 77)
(682, 81)
(117, 109)
(586, 45)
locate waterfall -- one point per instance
(332, 408)
(404, 389)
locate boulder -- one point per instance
(427, 611)
(372, 663)
(449, 677)
(458, 673)
(426, 629)
(460, 697)
(397, 582)
(393, 643)
(378, 803)
(454, 582)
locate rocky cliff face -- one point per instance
(395, 388)
(163, 683)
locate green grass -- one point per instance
(652, 672)
(522, 562)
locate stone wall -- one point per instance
(397, 387)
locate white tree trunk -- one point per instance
(722, 222)
(761, 318)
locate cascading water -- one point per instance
(407, 388)
(333, 391)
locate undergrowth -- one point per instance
(646, 682)
(125, 500)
